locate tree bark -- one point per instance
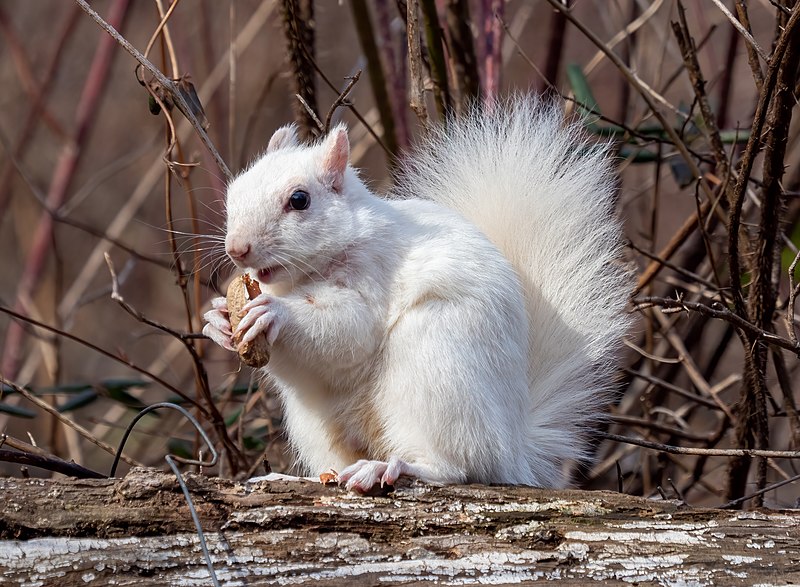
(138, 531)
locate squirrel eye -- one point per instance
(299, 200)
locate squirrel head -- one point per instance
(291, 212)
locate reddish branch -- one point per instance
(492, 58)
(394, 61)
(377, 79)
(63, 174)
(38, 100)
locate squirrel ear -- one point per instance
(336, 154)
(285, 136)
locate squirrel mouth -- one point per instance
(266, 275)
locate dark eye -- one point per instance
(299, 200)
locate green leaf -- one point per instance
(253, 443)
(260, 431)
(7, 389)
(681, 172)
(65, 388)
(180, 448)
(242, 389)
(588, 106)
(123, 383)
(120, 395)
(232, 417)
(637, 154)
(787, 255)
(16, 411)
(78, 401)
(734, 136)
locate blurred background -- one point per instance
(87, 169)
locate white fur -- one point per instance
(405, 334)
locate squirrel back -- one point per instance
(545, 196)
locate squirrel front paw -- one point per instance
(265, 314)
(218, 327)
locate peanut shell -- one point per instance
(241, 290)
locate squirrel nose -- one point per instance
(237, 250)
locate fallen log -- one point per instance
(138, 531)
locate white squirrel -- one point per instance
(462, 330)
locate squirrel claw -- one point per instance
(262, 314)
(218, 327)
(221, 336)
(363, 475)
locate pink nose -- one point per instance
(237, 250)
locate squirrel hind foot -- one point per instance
(365, 476)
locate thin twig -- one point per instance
(434, 41)
(351, 107)
(461, 51)
(689, 53)
(748, 160)
(163, 26)
(310, 112)
(674, 388)
(709, 452)
(340, 100)
(676, 268)
(211, 411)
(794, 289)
(717, 310)
(660, 427)
(69, 156)
(752, 56)
(169, 86)
(65, 420)
(416, 69)
(529, 61)
(37, 104)
(104, 352)
(737, 502)
(743, 31)
(117, 297)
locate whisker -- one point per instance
(216, 211)
(205, 188)
(212, 173)
(286, 269)
(285, 257)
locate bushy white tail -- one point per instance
(544, 195)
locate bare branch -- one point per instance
(717, 310)
(167, 84)
(743, 31)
